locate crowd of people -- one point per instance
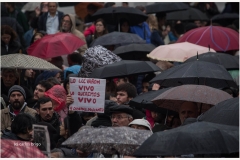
(31, 96)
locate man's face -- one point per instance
(198, 23)
(122, 97)
(120, 119)
(187, 110)
(139, 127)
(29, 73)
(16, 100)
(39, 92)
(52, 7)
(9, 79)
(145, 86)
(46, 111)
(66, 24)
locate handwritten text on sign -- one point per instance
(88, 94)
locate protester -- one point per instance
(188, 110)
(140, 124)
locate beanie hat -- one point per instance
(17, 88)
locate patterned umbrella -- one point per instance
(108, 140)
(22, 61)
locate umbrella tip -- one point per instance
(197, 55)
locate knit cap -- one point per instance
(17, 88)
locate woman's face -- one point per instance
(99, 27)
(37, 37)
(58, 76)
(6, 38)
(125, 27)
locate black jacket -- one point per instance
(11, 136)
(13, 47)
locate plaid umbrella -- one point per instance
(19, 149)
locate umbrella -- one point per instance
(197, 72)
(190, 14)
(219, 38)
(165, 7)
(207, 96)
(228, 61)
(108, 140)
(133, 51)
(22, 61)
(55, 45)
(31, 6)
(144, 101)
(124, 68)
(225, 18)
(226, 112)
(196, 138)
(19, 149)
(81, 8)
(112, 15)
(178, 52)
(117, 38)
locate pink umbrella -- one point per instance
(178, 52)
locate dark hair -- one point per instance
(22, 123)
(190, 26)
(9, 70)
(92, 7)
(109, 4)
(40, 33)
(96, 35)
(6, 29)
(141, 8)
(45, 84)
(57, 61)
(129, 88)
(76, 58)
(148, 77)
(53, 81)
(42, 100)
(179, 28)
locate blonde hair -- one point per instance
(152, 22)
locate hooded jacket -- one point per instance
(76, 33)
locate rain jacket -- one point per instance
(143, 31)
(77, 33)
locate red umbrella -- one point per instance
(218, 38)
(55, 45)
(19, 149)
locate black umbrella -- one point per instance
(226, 112)
(112, 15)
(187, 15)
(228, 61)
(225, 18)
(117, 38)
(195, 138)
(134, 51)
(67, 4)
(197, 72)
(124, 68)
(165, 7)
(144, 101)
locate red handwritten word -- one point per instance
(87, 100)
(90, 94)
(93, 81)
(86, 88)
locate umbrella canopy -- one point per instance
(117, 38)
(133, 51)
(165, 7)
(195, 138)
(124, 68)
(55, 45)
(19, 149)
(190, 14)
(228, 61)
(108, 140)
(22, 61)
(31, 6)
(219, 38)
(172, 98)
(177, 52)
(144, 101)
(81, 8)
(197, 72)
(112, 15)
(226, 112)
(225, 18)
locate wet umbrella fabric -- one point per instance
(113, 15)
(117, 38)
(204, 95)
(196, 138)
(225, 18)
(55, 45)
(190, 14)
(108, 140)
(228, 61)
(219, 38)
(226, 112)
(124, 68)
(134, 51)
(165, 7)
(197, 72)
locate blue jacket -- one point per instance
(143, 31)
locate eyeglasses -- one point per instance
(118, 117)
(66, 21)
